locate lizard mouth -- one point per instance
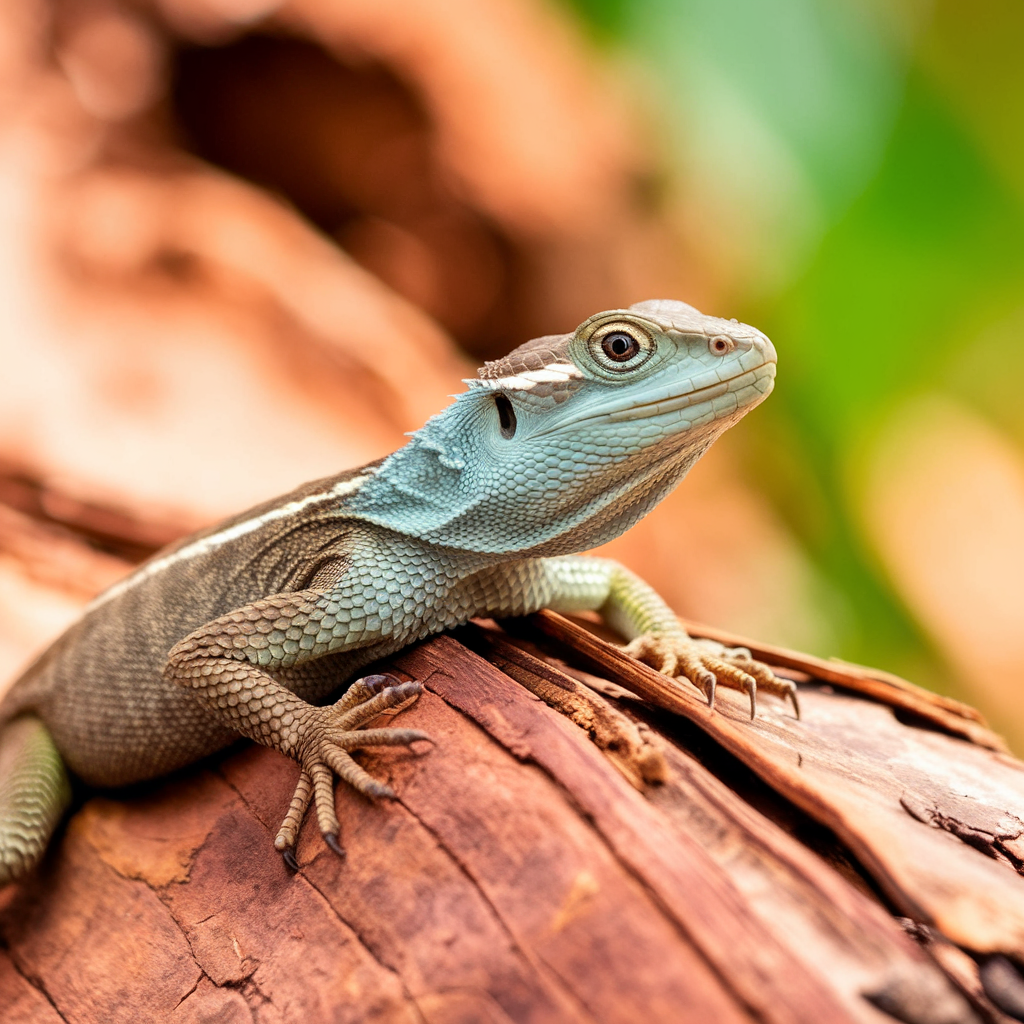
(747, 388)
(736, 386)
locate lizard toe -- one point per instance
(655, 650)
(330, 733)
(708, 664)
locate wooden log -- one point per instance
(526, 872)
(883, 786)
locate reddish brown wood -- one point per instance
(110, 529)
(56, 558)
(896, 794)
(22, 1002)
(520, 876)
(743, 947)
(948, 714)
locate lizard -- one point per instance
(247, 627)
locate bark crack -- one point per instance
(37, 984)
(541, 970)
(199, 978)
(195, 960)
(365, 944)
(249, 989)
(539, 966)
(609, 844)
(337, 914)
(997, 834)
(159, 892)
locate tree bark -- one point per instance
(558, 855)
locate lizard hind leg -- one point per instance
(34, 793)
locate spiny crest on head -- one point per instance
(541, 366)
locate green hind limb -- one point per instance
(34, 793)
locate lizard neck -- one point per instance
(441, 488)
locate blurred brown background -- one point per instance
(246, 243)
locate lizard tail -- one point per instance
(34, 793)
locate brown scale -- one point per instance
(534, 355)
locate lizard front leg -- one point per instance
(226, 664)
(636, 610)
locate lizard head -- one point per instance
(570, 439)
(660, 365)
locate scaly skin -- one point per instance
(245, 628)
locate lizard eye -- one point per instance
(720, 345)
(620, 347)
(506, 416)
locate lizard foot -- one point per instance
(707, 664)
(336, 730)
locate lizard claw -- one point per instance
(791, 694)
(329, 736)
(288, 856)
(708, 683)
(708, 664)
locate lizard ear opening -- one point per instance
(506, 416)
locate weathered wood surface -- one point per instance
(947, 714)
(939, 823)
(522, 875)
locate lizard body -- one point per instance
(247, 627)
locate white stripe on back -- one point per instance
(204, 545)
(552, 373)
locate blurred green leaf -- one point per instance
(873, 158)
